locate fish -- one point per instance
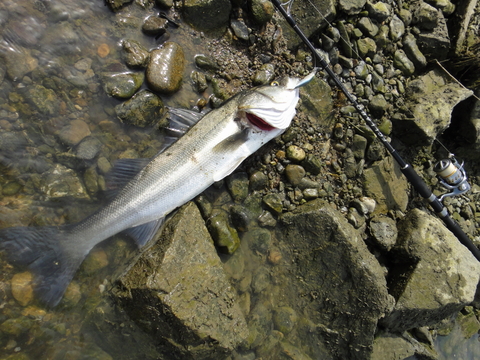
(212, 147)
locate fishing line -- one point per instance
(407, 170)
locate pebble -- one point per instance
(259, 240)
(22, 288)
(266, 219)
(154, 25)
(103, 50)
(264, 75)
(74, 132)
(237, 185)
(142, 110)
(122, 85)
(312, 164)
(224, 236)
(295, 153)
(262, 11)
(378, 104)
(379, 11)
(136, 55)
(284, 319)
(258, 180)
(273, 202)
(403, 63)
(165, 68)
(294, 173)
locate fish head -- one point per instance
(272, 106)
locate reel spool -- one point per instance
(452, 176)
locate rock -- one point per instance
(266, 219)
(351, 7)
(224, 236)
(264, 75)
(385, 183)
(430, 101)
(284, 319)
(207, 14)
(367, 26)
(18, 62)
(294, 174)
(311, 22)
(397, 28)
(11, 141)
(359, 146)
(425, 16)
(239, 217)
(135, 53)
(122, 85)
(441, 276)
(413, 52)
(74, 132)
(259, 240)
(142, 110)
(165, 68)
(317, 102)
(88, 148)
(384, 231)
(435, 44)
(117, 4)
(62, 182)
(273, 202)
(394, 346)
(378, 104)
(44, 100)
(154, 25)
(379, 10)
(351, 323)
(262, 11)
(258, 180)
(192, 308)
(237, 185)
(403, 63)
(366, 47)
(312, 164)
(239, 29)
(206, 63)
(295, 153)
(22, 288)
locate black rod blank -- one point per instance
(407, 170)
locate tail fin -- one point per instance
(43, 250)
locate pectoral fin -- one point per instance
(227, 147)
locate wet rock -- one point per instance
(11, 141)
(351, 7)
(403, 63)
(117, 4)
(62, 182)
(74, 132)
(11, 188)
(385, 183)
(240, 217)
(122, 85)
(284, 319)
(264, 75)
(154, 25)
(165, 68)
(18, 62)
(258, 180)
(44, 100)
(239, 29)
(207, 14)
(224, 236)
(273, 202)
(135, 54)
(206, 63)
(261, 10)
(384, 231)
(88, 148)
(90, 179)
(413, 52)
(261, 280)
(349, 323)
(22, 288)
(199, 80)
(237, 185)
(440, 278)
(259, 240)
(157, 293)
(16, 326)
(294, 174)
(430, 100)
(142, 110)
(266, 219)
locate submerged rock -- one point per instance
(178, 292)
(439, 277)
(143, 109)
(165, 68)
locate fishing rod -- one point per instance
(407, 170)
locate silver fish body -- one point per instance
(213, 148)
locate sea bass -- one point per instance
(209, 151)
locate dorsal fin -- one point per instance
(181, 120)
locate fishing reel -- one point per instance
(452, 176)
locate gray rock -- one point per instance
(158, 294)
(385, 183)
(266, 219)
(431, 99)
(441, 277)
(206, 63)
(366, 47)
(406, 16)
(380, 11)
(312, 164)
(395, 346)
(262, 11)
(239, 29)
(435, 44)
(397, 28)
(88, 148)
(44, 100)
(61, 182)
(165, 68)
(273, 202)
(425, 16)
(154, 25)
(317, 102)
(207, 14)
(143, 109)
(367, 26)
(349, 164)
(117, 4)
(359, 146)
(122, 85)
(384, 231)
(136, 55)
(361, 70)
(382, 39)
(378, 104)
(258, 180)
(259, 240)
(344, 42)
(350, 324)
(378, 84)
(351, 7)
(413, 52)
(199, 80)
(18, 62)
(403, 63)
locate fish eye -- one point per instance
(274, 83)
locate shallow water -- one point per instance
(54, 38)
